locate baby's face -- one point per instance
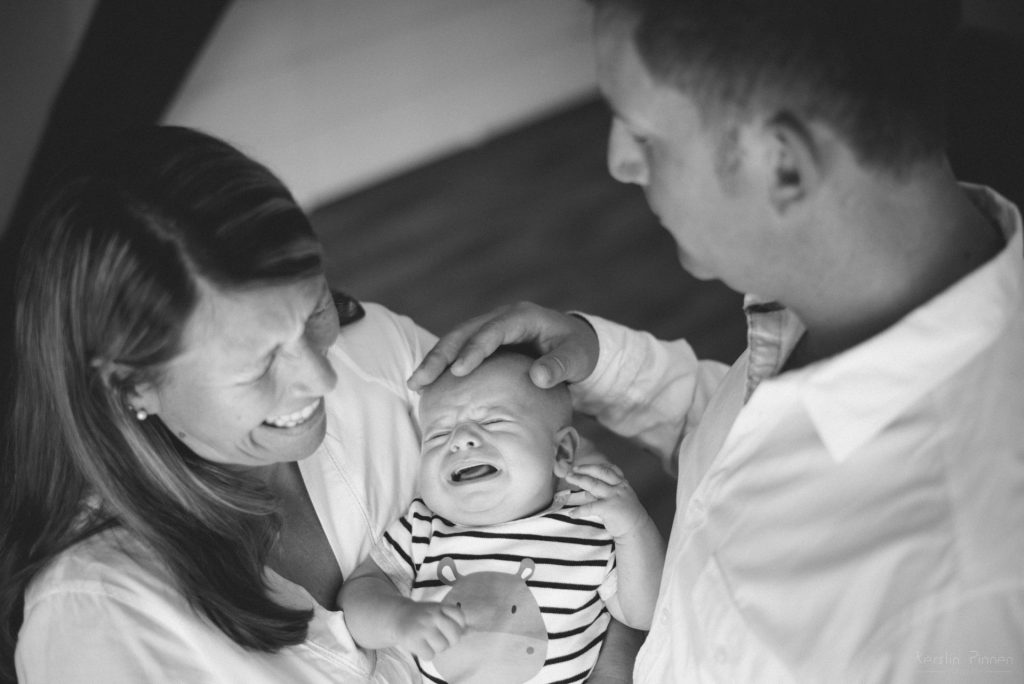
(490, 441)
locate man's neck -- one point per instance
(896, 246)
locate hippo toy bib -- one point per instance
(507, 642)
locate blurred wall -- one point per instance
(38, 39)
(336, 94)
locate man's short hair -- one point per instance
(872, 70)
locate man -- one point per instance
(851, 491)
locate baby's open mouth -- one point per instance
(473, 472)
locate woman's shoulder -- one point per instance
(383, 346)
(382, 325)
(110, 565)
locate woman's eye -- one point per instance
(263, 373)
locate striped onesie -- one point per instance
(568, 566)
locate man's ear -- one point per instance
(118, 377)
(795, 162)
(567, 442)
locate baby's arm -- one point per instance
(639, 548)
(378, 616)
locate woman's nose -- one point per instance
(312, 373)
(626, 160)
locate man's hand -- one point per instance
(567, 343)
(427, 628)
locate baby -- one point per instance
(492, 575)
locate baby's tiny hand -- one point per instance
(426, 629)
(608, 496)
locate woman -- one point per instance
(184, 418)
(195, 457)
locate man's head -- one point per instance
(491, 441)
(873, 70)
(729, 112)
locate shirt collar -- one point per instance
(854, 395)
(772, 332)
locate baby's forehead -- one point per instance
(497, 378)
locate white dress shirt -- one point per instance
(860, 519)
(104, 611)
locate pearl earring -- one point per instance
(140, 414)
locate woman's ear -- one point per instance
(567, 441)
(795, 162)
(117, 377)
(144, 397)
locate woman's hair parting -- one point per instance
(107, 280)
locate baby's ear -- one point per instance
(567, 442)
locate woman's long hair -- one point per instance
(107, 280)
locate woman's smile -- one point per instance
(292, 419)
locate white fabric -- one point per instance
(573, 575)
(98, 615)
(857, 520)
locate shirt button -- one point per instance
(721, 655)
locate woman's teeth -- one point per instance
(293, 419)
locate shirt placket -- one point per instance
(772, 333)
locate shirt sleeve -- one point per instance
(646, 389)
(395, 552)
(610, 586)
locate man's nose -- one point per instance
(626, 160)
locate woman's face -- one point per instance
(248, 386)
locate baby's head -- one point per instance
(491, 440)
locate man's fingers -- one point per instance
(549, 370)
(569, 356)
(489, 335)
(444, 353)
(466, 346)
(568, 343)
